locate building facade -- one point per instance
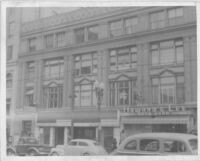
(146, 58)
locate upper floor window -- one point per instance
(32, 44)
(60, 38)
(9, 52)
(116, 28)
(53, 96)
(49, 41)
(8, 106)
(123, 58)
(30, 70)
(131, 25)
(123, 92)
(86, 64)
(9, 80)
(11, 28)
(29, 96)
(168, 90)
(93, 33)
(54, 69)
(85, 95)
(79, 35)
(167, 52)
(157, 20)
(175, 12)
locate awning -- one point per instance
(156, 120)
(58, 123)
(86, 124)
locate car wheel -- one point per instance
(54, 154)
(10, 153)
(32, 153)
(86, 154)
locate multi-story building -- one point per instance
(144, 56)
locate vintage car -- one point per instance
(79, 147)
(28, 146)
(158, 144)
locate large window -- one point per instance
(32, 44)
(175, 12)
(116, 28)
(168, 90)
(30, 70)
(131, 25)
(79, 35)
(60, 38)
(123, 58)
(9, 52)
(167, 52)
(29, 96)
(86, 64)
(85, 95)
(9, 80)
(157, 20)
(54, 69)
(93, 33)
(123, 92)
(49, 41)
(53, 96)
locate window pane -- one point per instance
(180, 94)
(60, 39)
(131, 145)
(80, 35)
(155, 57)
(174, 146)
(116, 28)
(93, 33)
(179, 54)
(149, 145)
(167, 56)
(49, 40)
(130, 25)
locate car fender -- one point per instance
(12, 148)
(33, 148)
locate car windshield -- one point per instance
(193, 144)
(31, 141)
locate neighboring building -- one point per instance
(145, 56)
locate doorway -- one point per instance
(59, 136)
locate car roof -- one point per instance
(84, 140)
(180, 136)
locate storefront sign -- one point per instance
(153, 111)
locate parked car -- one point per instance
(78, 147)
(158, 144)
(28, 146)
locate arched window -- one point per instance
(9, 79)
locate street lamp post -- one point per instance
(99, 89)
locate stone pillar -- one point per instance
(52, 136)
(187, 68)
(104, 77)
(66, 135)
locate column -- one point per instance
(66, 133)
(38, 84)
(65, 83)
(104, 76)
(187, 70)
(52, 136)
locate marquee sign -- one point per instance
(153, 111)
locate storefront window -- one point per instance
(26, 128)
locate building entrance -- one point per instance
(59, 136)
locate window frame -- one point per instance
(119, 27)
(79, 35)
(88, 31)
(9, 54)
(158, 20)
(61, 39)
(32, 44)
(9, 80)
(129, 143)
(49, 43)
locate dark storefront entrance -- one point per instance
(178, 128)
(59, 136)
(85, 133)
